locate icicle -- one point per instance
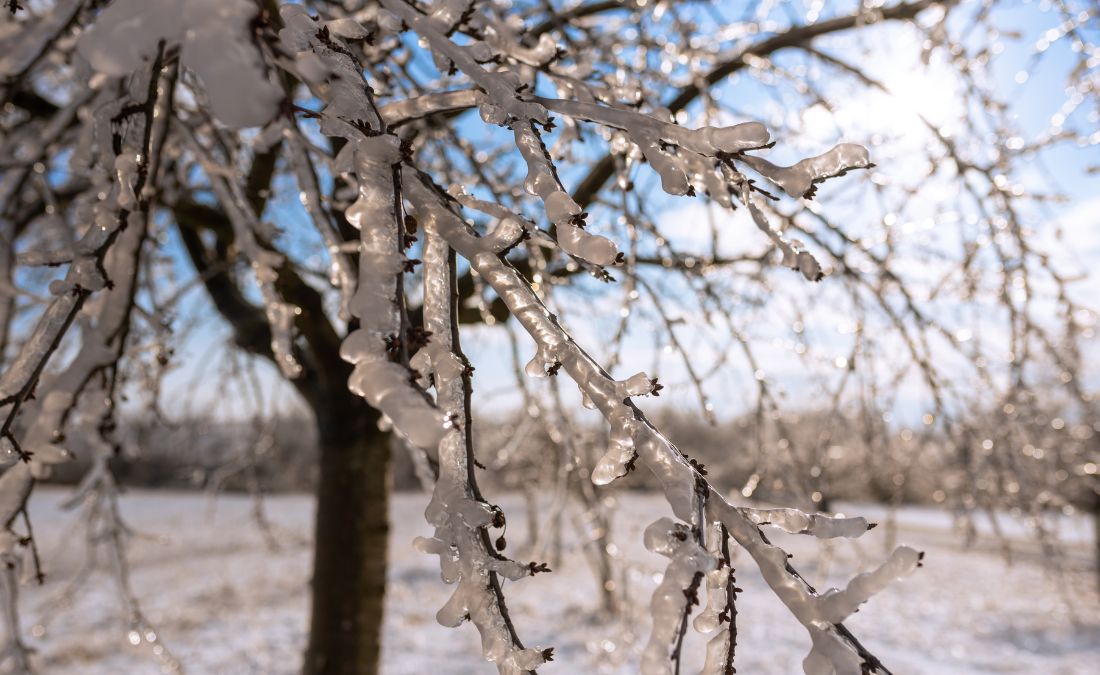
(587, 401)
(541, 364)
(620, 454)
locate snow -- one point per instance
(223, 603)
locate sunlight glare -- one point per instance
(914, 91)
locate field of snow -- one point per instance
(223, 604)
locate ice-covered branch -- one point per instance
(505, 106)
(634, 438)
(719, 617)
(77, 176)
(104, 258)
(373, 155)
(795, 256)
(687, 163)
(502, 88)
(215, 43)
(14, 651)
(457, 510)
(409, 110)
(650, 132)
(820, 525)
(798, 180)
(675, 596)
(98, 496)
(265, 261)
(27, 47)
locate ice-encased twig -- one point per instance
(501, 91)
(457, 510)
(674, 597)
(794, 255)
(798, 179)
(373, 155)
(832, 642)
(634, 438)
(820, 525)
(341, 273)
(678, 155)
(98, 494)
(14, 649)
(719, 618)
(264, 261)
(411, 109)
(506, 107)
(107, 252)
(31, 43)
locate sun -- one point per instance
(894, 95)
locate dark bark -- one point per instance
(352, 527)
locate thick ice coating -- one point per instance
(671, 597)
(215, 43)
(796, 180)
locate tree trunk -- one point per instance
(349, 565)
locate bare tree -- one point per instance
(128, 134)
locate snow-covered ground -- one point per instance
(224, 604)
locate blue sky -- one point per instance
(888, 54)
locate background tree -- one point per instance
(373, 213)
